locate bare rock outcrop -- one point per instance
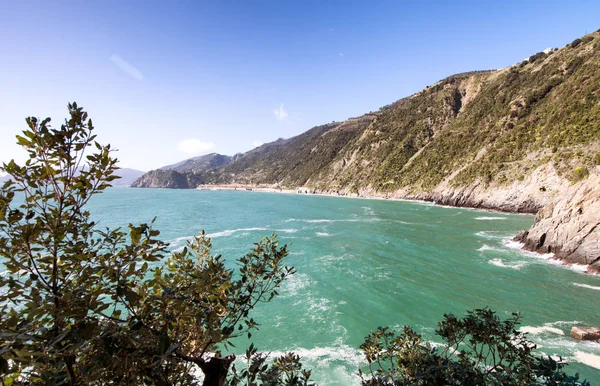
(570, 226)
(540, 188)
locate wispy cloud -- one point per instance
(258, 143)
(128, 68)
(341, 54)
(195, 146)
(280, 113)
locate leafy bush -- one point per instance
(539, 55)
(80, 305)
(575, 43)
(479, 349)
(580, 172)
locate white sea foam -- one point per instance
(555, 342)
(288, 230)
(317, 307)
(491, 235)
(510, 243)
(587, 286)
(500, 263)
(547, 257)
(321, 357)
(486, 247)
(229, 232)
(546, 329)
(224, 233)
(329, 259)
(331, 365)
(294, 284)
(368, 210)
(489, 218)
(179, 240)
(591, 360)
(323, 234)
(563, 323)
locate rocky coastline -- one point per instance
(567, 222)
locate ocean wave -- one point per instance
(294, 284)
(489, 218)
(322, 357)
(224, 233)
(546, 257)
(317, 307)
(546, 329)
(329, 259)
(229, 232)
(179, 240)
(322, 234)
(330, 365)
(288, 230)
(556, 343)
(368, 210)
(587, 286)
(486, 247)
(500, 263)
(491, 235)
(563, 323)
(329, 221)
(588, 359)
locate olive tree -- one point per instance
(84, 305)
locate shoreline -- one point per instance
(306, 192)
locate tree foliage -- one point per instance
(478, 349)
(82, 305)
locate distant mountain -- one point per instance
(128, 176)
(201, 163)
(185, 174)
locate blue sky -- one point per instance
(165, 81)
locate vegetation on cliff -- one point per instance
(490, 127)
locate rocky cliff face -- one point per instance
(162, 179)
(569, 227)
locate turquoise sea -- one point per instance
(368, 263)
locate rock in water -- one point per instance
(586, 333)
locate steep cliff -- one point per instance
(570, 226)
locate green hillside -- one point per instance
(489, 127)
